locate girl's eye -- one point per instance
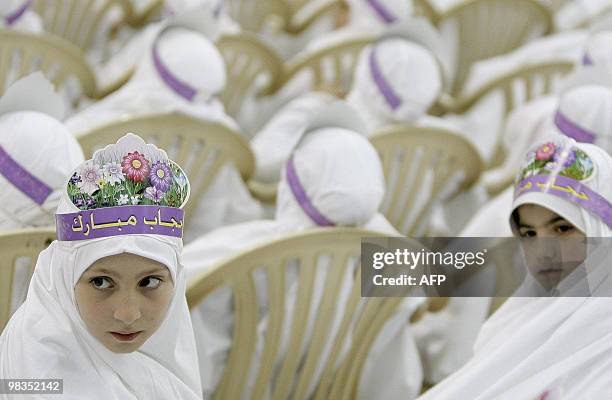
(528, 233)
(101, 283)
(564, 228)
(150, 282)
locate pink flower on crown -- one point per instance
(135, 167)
(90, 174)
(545, 152)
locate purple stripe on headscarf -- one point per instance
(586, 59)
(27, 183)
(300, 195)
(568, 189)
(12, 18)
(568, 128)
(382, 12)
(116, 221)
(385, 88)
(180, 88)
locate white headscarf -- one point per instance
(378, 13)
(395, 81)
(341, 175)
(46, 337)
(532, 346)
(34, 141)
(186, 59)
(585, 114)
(18, 14)
(599, 50)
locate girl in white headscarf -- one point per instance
(538, 348)
(333, 178)
(37, 153)
(184, 72)
(106, 309)
(130, 45)
(18, 14)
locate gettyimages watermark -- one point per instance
(486, 267)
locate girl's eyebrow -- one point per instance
(555, 220)
(154, 271)
(104, 271)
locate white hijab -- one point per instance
(341, 174)
(378, 13)
(534, 346)
(585, 114)
(188, 57)
(38, 143)
(19, 15)
(396, 80)
(46, 337)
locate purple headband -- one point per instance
(385, 88)
(116, 221)
(302, 198)
(570, 129)
(180, 88)
(382, 12)
(569, 189)
(586, 59)
(12, 18)
(27, 183)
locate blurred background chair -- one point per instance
(253, 69)
(422, 165)
(362, 318)
(19, 249)
(23, 53)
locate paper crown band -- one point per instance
(115, 221)
(568, 189)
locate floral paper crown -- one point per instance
(559, 168)
(128, 186)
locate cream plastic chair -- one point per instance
(252, 68)
(23, 53)
(409, 154)
(261, 15)
(295, 376)
(83, 22)
(518, 87)
(487, 28)
(306, 13)
(331, 67)
(147, 15)
(201, 148)
(19, 249)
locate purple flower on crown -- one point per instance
(566, 158)
(90, 203)
(153, 194)
(161, 176)
(79, 203)
(545, 152)
(75, 179)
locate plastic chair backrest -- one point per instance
(362, 318)
(420, 163)
(19, 249)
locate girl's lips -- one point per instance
(126, 337)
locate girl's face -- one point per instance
(560, 247)
(123, 300)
